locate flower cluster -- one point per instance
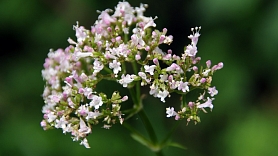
(118, 39)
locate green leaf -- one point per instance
(141, 139)
(174, 144)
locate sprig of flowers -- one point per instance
(118, 39)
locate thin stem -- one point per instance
(136, 97)
(183, 101)
(147, 124)
(163, 143)
(137, 85)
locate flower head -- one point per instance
(121, 42)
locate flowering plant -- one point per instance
(116, 41)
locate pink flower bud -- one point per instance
(190, 104)
(208, 63)
(45, 116)
(80, 90)
(93, 29)
(60, 113)
(69, 80)
(177, 117)
(124, 98)
(220, 65)
(203, 80)
(170, 78)
(78, 64)
(162, 38)
(155, 61)
(124, 23)
(147, 48)
(195, 68)
(169, 51)
(164, 30)
(99, 43)
(43, 124)
(141, 25)
(167, 57)
(109, 29)
(153, 34)
(196, 60)
(118, 38)
(137, 57)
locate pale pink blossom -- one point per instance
(125, 80)
(170, 112)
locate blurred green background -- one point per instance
(242, 34)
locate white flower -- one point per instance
(93, 115)
(137, 40)
(164, 78)
(149, 22)
(106, 126)
(116, 66)
(83, 110)
(98, 66)
(61, 123)
(175, 67)
(55, 98)
(80, 33)
(194, 38)
(97, 37)
(162, 95)
(88, 92)
(158, 51)
(183, 86)
(122, 50)
(205, 73)
(68, 128)
(83, 128)
(51, 117)
(212, 91)
(208, 103)
(106, 18)
(149, 69)
(144, 77)
(85, 143)
(96, 102)
(71, 104)
(77, 55)
(154, 90)
(125, 80)
(140, 10)
(83, 77)
(173, 84)
(191, 50)
(170, 112)
(168, 40)
(124, 9)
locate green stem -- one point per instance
(136, 97)
(167, 138)
(108, 70)
(147, 124)
(183, 101)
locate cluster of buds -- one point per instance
(116, 40)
